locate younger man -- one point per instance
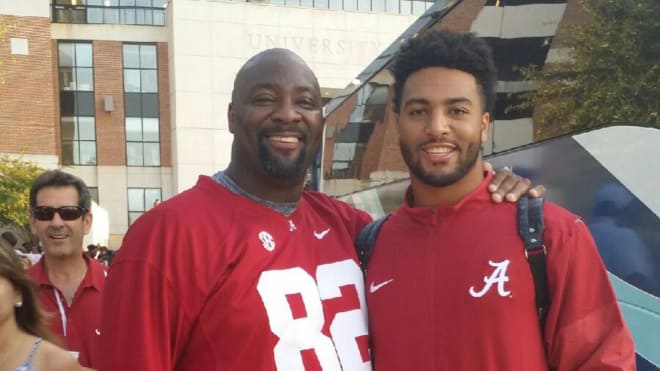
(449, 286)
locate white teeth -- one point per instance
(435, 150)
(285, 139)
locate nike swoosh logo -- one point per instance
(320, 235)
(97, 332)
(373, 288)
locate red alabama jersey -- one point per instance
(211, 280)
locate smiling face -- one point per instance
(60, 238)
(441, 124)
(276, 118)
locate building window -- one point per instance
(141, 200)
(141, 105)
(77, 114)
(94, 194)
(137, 12)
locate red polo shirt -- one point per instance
(82, 317)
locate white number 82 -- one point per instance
(297, 334)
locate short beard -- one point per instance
(279, 169)
(441, 180)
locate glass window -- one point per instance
(133, 129)
(150, 196)
(136, 199)
(149, 81)
(65, 54)
(127, 2)
(69, 131)
(350, 4)
(94, 194)
(94, 15)
(134, 154)
(364, 5)
(145, 3)
(84, 55)
(84, 79)
(67, 103)
(141, 105)
(68, 153)
(67, 80)
(148, 56)
(87, 153)
(321, 4)
(77, 109)
(151, 154)
(142, 142)
(111, 16)
(86, 128)
(141, 200)
(150, 130)
(132, 80)
(392, 6)
(84, 103)
(406, 7)
(150, 105)
(159, 17)
(132, 104)
(128, 16)
(335, 4)
(378, 5)
(419, 7)
(131, 56)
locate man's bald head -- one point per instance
(271, 57)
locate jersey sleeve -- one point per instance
(585, 329)
(144, 320)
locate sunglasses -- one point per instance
(46, 213)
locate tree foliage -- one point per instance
(16, 176)
(611, 76)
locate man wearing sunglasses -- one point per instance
(70, 283)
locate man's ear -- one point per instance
(231, 117)
(87, 221)
(485, 124)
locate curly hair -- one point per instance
(441, 48)
(58, 178)
(30, 317)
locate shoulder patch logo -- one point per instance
(267, 240)
(498, 276)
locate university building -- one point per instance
(132, 95)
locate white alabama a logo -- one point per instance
(498, 276)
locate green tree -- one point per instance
(612, 74)
(16, 176)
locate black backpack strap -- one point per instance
(530, 227)
(365, 241)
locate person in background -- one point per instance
(25, 343)
(449, 285)
(246, 271)
(70, 283)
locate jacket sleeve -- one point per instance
(585, 329)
